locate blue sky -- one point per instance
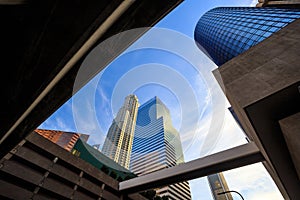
(166, 63)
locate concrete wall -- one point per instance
(269, 3)
(290, 127)
(261, 85)
(40, 169)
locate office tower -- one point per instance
(259, 75)
(157, 146)
(225, 32)
(64, 139)
(217, 184)
(118, 142)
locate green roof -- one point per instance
(100, 161)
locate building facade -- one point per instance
(261, 81)
(225, 32)
(99, 160)
(157, 146)
(118, 142)
(64, 139)
(217, 184)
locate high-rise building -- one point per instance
(217, 185)
(64, 139)
(157, 146)
(118, 142)
(225, 32)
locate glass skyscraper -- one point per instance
(157, 146)
(225, 32)
(118, 142)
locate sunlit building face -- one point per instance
(225, 32)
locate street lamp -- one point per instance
(231, 191)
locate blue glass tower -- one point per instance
(225, 32)
(156, 146)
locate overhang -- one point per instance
(40, 38)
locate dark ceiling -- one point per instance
(39, 37)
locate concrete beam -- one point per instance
(229, 159)
(290, 127)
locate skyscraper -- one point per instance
(225, 32)
(218, 184)
(157, 146)
(118, 142)
(64, 139)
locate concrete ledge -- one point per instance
(225, 160)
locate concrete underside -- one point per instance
(39, 169)
(279, 3)
(290, 127)
(229, 159)
(38, 38)
(262, 85)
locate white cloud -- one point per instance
(192, 139)
(253, 182)
(253, 3)
(84, 113)
(58, 121)
(200, 189)
(231, 134)
(61, 124)
(105, 109)
(83, 107)
(263, 195)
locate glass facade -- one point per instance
(157, 146)
(225, 32)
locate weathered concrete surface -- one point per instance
(40, 169)
(290, 127)
(272, 3)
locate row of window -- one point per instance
(146, 162)
(227, 32)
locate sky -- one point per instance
(165, 62)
